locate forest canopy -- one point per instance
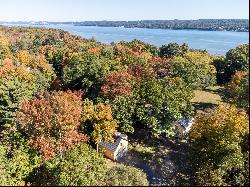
(61, 94)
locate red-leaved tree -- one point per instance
(52, 121)
(118, 83)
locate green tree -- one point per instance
(17, 84)
(195, 68)
(126, 176)
(173, 49)
(17, 158)
(219, 64)
(87, 71)
(123, 109)
(80, 166)
(161, 102)
(236, 60)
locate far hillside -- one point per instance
(240, 25)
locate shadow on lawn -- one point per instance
(219, 91)
(202, 106)
(168, 166)
(179, 174)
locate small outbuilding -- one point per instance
(117, 149)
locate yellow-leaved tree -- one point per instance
(220, 146)
(98, 121)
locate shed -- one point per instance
(117, 149)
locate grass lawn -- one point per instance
(208, 98)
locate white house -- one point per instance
(115, 150)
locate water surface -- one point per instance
(215, 42)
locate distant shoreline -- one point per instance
(34, 25)
(160, 28)
(233, 25)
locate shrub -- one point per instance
(126, 176)
(52, 121)
(220, 153)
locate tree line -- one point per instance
(240, 25)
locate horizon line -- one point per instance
(130, 20)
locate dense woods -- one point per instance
(61, 94)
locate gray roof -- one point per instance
(113, 146)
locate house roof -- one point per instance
(113, 146)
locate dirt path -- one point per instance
(133, 160)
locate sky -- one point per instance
(91, 10)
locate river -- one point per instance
(215, 42)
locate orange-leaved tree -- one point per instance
(237, 90)
(52, 121)
(117, 83)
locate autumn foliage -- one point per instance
(219, 140)
(237, 89)
(94, 50)
(127, 86)
(17, 84)
(4, 48)
(160, 66)
(98, 121)
(118, 83)
(51, 121)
